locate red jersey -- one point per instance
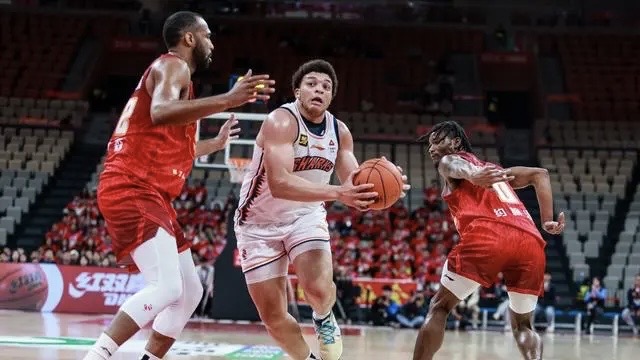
(160, 155)
(498, 204)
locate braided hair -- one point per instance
(451, 129)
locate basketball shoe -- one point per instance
(329, 337)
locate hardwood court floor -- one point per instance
(61, 336)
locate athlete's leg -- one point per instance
(270, 298)
(524, 277)
(170, 322)
(453, 289)
(314, 267)
(522, 309)
(157, 260)
(265, 266)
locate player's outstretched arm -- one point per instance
(538, 178)
(278, 133)
(228, 131)
(171, 76)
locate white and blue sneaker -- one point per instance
(329, 337)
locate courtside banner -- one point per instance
(60, 288)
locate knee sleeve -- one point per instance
(172, 320)
(522, 303)
(158, 262)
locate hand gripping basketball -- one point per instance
(356, 196)
(388, 181)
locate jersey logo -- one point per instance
(304, 140)
(312, 163)
(332, 146)
(317, 146)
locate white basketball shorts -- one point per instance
(266, 249)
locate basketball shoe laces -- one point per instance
(326, 330)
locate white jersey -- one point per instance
(314, 160)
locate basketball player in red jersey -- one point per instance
(149, 156)
(497, 234)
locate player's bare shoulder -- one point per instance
(344, 133)
(171, 69)
(280, 124)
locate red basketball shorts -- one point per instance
(487, 248)
(133, 212)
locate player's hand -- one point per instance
(228, 131)
(251, 88)
(405, 186)
(489, 175)
(356, 196)
(554, 227)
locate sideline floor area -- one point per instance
(62, 336)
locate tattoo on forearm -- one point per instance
(456, 168)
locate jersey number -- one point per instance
(123, 122)
(505, 193)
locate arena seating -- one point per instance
(37, 50)
(29, 157)
(380, 74)
(590, 177)
(16, 111)
(603, 70)
(625, 261)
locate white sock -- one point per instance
(149, 356)
(103, 349)
(321, 317)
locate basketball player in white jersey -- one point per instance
(281, 217)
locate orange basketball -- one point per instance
(22, 287)
(386, 180)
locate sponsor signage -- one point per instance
(72, 289)
(99, 290)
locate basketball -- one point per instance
(23, 287)
(386, 180)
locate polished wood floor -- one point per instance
(60, 336)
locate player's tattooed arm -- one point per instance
(538, 178)
(453, 166)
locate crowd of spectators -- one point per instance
(391, 244)
(394, 243)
